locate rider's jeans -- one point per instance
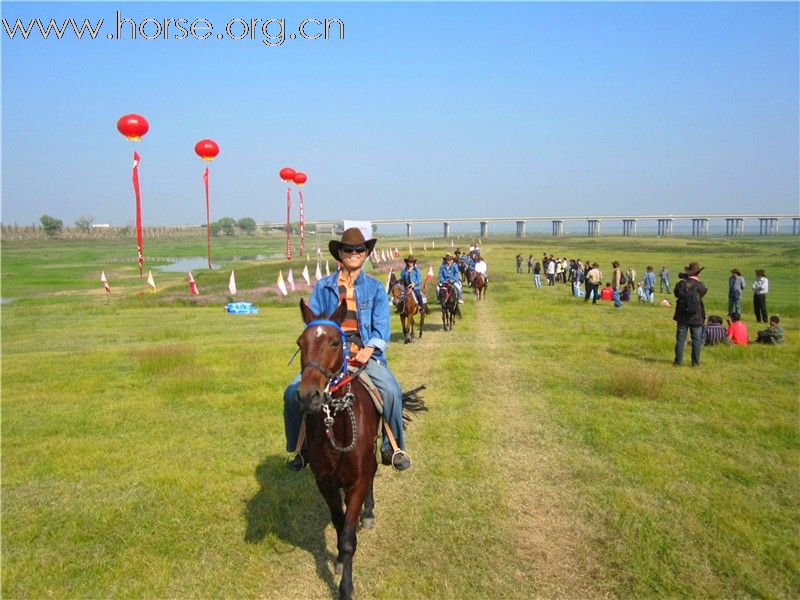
(387, 385)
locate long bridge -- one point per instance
(734, 223)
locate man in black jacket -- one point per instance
(690, 314)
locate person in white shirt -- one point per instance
(760, 290)
(480, 267)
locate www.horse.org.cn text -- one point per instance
(270, 32)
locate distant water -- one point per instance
(196, 263)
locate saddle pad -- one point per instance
(370, 387)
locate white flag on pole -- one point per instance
(306, 276)
(318, 274)
(150, 281)
(281, 284)
(289, 280)
(232, 284)
(327, 268)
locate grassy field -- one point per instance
(562, 456)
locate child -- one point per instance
(607, 293)
(773, 334)
(737, 331)
(641, 293)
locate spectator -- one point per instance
(616, 276)
(663, 278)
(607, 293)
(551, 271)
(772, 334)
(631, 276)
(714, 332)
(737, 331)
(736, 286)
(519, 263)
(649, 283)
(690, 314)
(625, 296)
(641, 293)
(593, 279)
(760, 289)
(530, 263)
(537, 275)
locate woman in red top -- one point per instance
(607, 293)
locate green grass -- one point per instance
(562, 454)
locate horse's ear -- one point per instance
(308, 314)
(340, 313)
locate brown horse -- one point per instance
(479, 284)
(449, 299)
(341, 428)
(405, 301)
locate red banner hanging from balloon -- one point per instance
(302, 223)
(288, 223)
(208, 215)
(138, 211)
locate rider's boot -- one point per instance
(399, 460)
(298, 462)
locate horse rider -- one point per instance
(411, 277)
(480, 267)
(366, 328)
(449, 272)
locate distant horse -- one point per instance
(341, 428)
(449, 305)
(463, 269)
(479, 283)
(405, 301)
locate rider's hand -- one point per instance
(364, 354)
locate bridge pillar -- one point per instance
(629, 227)
(408, 230)
(665, 228)
(558, 228)
(700, 227)
(768, 226)
(446, 229)
(594, 227)
(520, 229)
(484, 229)
(734, 226)
(795, 226)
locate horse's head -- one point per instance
(397, 293)
(323, 355)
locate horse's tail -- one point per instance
(412, 403)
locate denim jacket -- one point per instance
(451, 273)
(412, 276)
(371, 302)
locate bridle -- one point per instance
(336, 380)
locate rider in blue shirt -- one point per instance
(449, 272)
(412, 276)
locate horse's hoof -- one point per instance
(339, 568)
(368, 522)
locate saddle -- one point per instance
(366, 381)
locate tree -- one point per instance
(85, 222)
(247, 225)
(52, 226)
(215, 228)
(228, 225)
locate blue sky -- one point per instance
(423, 110)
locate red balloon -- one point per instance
(300, 178)
(287, 174)
(206, 149)
(133, 127)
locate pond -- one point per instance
(195, 263)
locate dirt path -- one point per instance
(539, 496)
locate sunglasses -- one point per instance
(354, 249)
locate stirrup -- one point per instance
(397, 456)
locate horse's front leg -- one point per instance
(404, 321)
(347, 539)
(333, 499)
(368, 514)
(421, 321)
